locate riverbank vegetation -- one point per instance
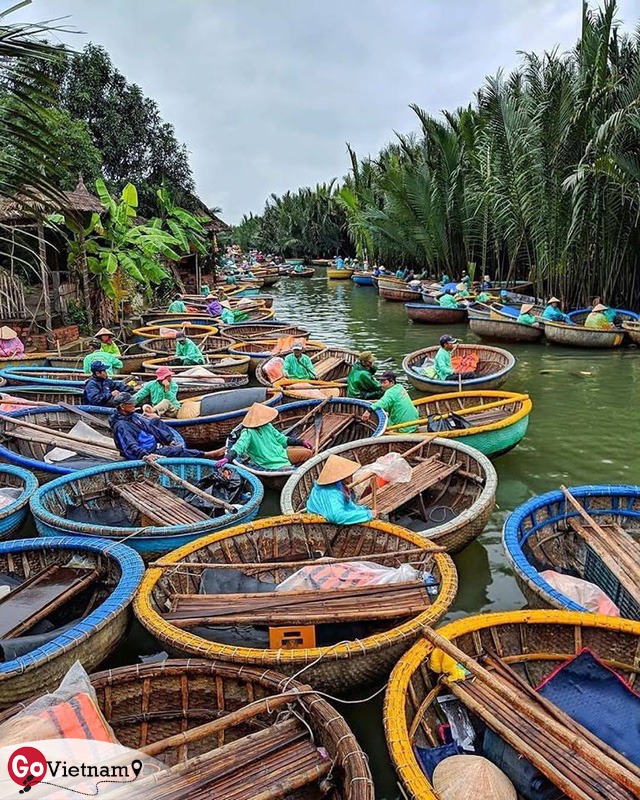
(539, 178)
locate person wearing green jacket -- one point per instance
(187, 351)
(524, 317)
(396, 402)
(108, 359)
(264, 446)
(442, 365)
(447, 301)
(107, 345)
(177, 306)
(298, 365)
(361, 381)
(159, 396)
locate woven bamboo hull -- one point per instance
(291, 413)
(31, 359)
(270, 280)
(50, 501)
(309, 272)
(339, 274)
(493, 438)
(242, 330)
(164, 347)
(93, 638)
(434, 315)
(493, 370)
(340, 667)
(576, 336)
(197, 331)
(632, 330)
(219, 363)
(504, 330)
(361, 279)
(398, 295)
(539, 640)
(180, 695)
(14, 515)
(48, 394)
(340, 373)
(213, 429)
(154, 316)
(261, 350)
(472, 501)
(553, 545)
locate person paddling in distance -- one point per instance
(396, 402)
(331, 498)
(263, 445)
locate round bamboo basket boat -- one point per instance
(434, 314)
(99, 625)
(196, 332)
(362, 278)
(32, 359)
(622, 315)
(397, 294)
(335, 667)
(579, 336)
(468, 497)
(200, 317)
(309, 390)
(494, 366)
(73, 358)
(538, 536)
(163, 346)
(14, 514)
(632, 330)
(308, 272)
(493, 431)
(218, 363)
(261, 350)
(331, 365)
(219, 414)
(503, 330)
(534, 643)
(340, 409)
(145, 704)
(42, 393)
(343, 274)
(244, 331)
(91, 490)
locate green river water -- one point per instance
(583, 429)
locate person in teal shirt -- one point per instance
(483, 297)
(159, 396)
(445, 279)
(447, 301)
(462, 291)
(552, 312)
(204, 289)
(226, 315)
(187, 351)
(177, 306)
(443, 366)
(298, 365)
(465, 279)
(396, 402)
(524, 317)
(330, 498)
(111, 361)
(361, 381)
(400, 273)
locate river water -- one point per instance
(583, 429)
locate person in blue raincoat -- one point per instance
(140, 437)
(100, 389)
(330, 498)
(553, 313)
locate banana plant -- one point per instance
(185, 227)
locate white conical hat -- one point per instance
(7, 333)
(599, 307)
(471, 778)
(337, 468)
(259, 415)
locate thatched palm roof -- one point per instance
(210, 221)
(32, 205)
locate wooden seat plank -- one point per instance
(157, 503)
(39, 596)
(332, 425)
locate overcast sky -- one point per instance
(265, 93)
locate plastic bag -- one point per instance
(273, 369)
(8, 495)
(427, 368)
(390, 468)
(580, 591)
(168, 333)
(346, 575)
(71, 712)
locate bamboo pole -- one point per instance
(424, 440)
(311, 413)
(59, 434)
(194, 489)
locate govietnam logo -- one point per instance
(28, 768)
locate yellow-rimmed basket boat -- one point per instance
(341, 662)
(343, 274)
(448, 501)
(266, 733)
(261, 350)
(196, 332)
(497, 421)
(247, 331)
(220, 363)
(534, 643)
(164, 345)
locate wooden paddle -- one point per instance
(101, 423)
(307, 416)
(515, 398)
(193, 489)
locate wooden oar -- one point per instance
(101, 423)
(516, 398)
(311, 413)
(194, 489)
(57, 434)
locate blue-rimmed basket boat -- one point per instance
(632, 329)
(338, 660)
(261, 350)
(494, 366)
(497, 421)
(46, 394)
(506, 329)
(216, 415)
(101, 620)
(43, 376)
(73, 358)
(34, 359)
(534, 643)
(219, 363)
(538, 536)
(579, 315)
(13, 515)
(341, 423)
(451, 512)
(429, 314)
(91, 490)
(362, 278)
(579, 336)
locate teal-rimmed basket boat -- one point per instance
(93, 636)
(538, 536)
(13, 515)
(91, 490)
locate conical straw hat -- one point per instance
(105, 332)
(471, 778)
(553, 300)
(337, 468)
(258, 415)
(599, 307)
(7, 333)
(526, 307)
(225, 304)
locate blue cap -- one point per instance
(98, 366)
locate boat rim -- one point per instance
(29, 486)
(491, 376)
